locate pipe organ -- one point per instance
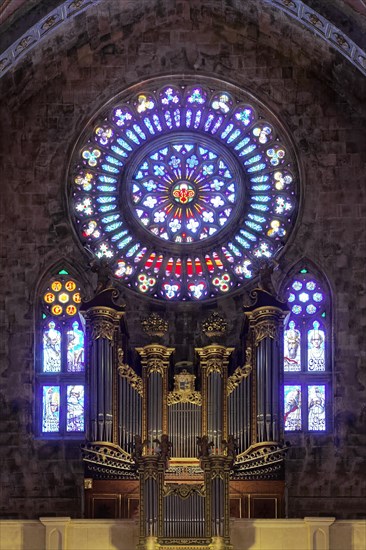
(184, 452)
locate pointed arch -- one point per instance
(59, 358)
(307, 349)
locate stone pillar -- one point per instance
(266, 319)
(103, 317)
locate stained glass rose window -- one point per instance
(183, 187)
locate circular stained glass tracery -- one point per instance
(183, 187)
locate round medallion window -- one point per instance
(184, 187)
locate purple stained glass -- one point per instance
(51, 349)
(183, 192)
(75, 409)
(292, 408)
(170, 162)
(75, 349)
(316, 408)
(316, 348)
(50, 409)
(292, 349)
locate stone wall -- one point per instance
(44, 105)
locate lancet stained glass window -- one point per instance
(183, 186)
(61, 369)
(307, 354)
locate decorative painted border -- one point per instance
(295, 8)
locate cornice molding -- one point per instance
(296, 9)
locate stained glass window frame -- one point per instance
(63, 378)
(304, 322)
(127, 130)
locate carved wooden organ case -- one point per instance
(184, 459)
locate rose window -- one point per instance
(183, 187)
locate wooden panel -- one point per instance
(112, 499)
(263, 506)
(106, 506)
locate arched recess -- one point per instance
(59, 353)
(307, 366)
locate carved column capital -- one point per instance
(214, 358)
(155, 358)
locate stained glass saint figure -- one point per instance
(51, 409)
(75, 409)
(316, 404)
(51, 349)
(292, 408)
(316, 339)
(292, 349)
(75, 349)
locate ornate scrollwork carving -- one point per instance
(214, 365)
(183, 491)
(265, 329)
(154, 325)
(184, 391)
(241, 372)
(125, 371)
(102, 328)
(107, 459)
(214, 325)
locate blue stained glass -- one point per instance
(51, 349)
(133, 250)
(113, 160)
(133, 137)
(111, 218)
(259, 179)
(106, 188)
(253, 225)
(292, 408)
(149, 126)
(316, 348)
(139, 131)
(119, 151)
(252, 160)
(296, 285)
(247, 150)
(261, 187)
(113, 226)
(318, 297)
(233, 136)
(124, 243)
(248, 235)
(50, 409)
(188, 118)
(107, 207)
(107, 179)
(124, 144)
(241, 143)
(261, 198)
(257, 168)
(310, 309)
(261, 207)
(217, 125)
(208, 122)
(75, 408)
(168, 119)
(104, 200)
(297, 309)
(75, 349)
(197, 119)
(316, 408)
(291, 297)
(108, 168)
(227, 130)
(157, 122)
(292, 349)
(310, 285)
(177, 117)
(244, 116)
(119, 235)
(242, 241)
(256, 218)
(235, 250)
